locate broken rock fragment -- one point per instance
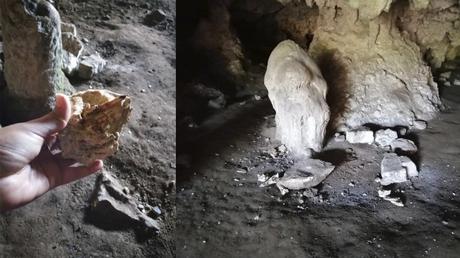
(396, 169)
(111, 203)
(360, 136)
(297, 91)
(403, 145)
(94, 127)
(305, 174)
(392, 170)
(384, 138)
(90, 66)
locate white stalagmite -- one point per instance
(297, 91)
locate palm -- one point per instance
(27, 167)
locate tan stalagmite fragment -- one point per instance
(94, 127)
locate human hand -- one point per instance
(28, 169)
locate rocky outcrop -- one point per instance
(297, 91)
(33, 59)
(215, 38)
(385, 80)
(435, 27)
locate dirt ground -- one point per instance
(222, 211)
(141, 64)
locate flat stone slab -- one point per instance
(396, 169)
(360, 136)
(305, 174)
(404, 145)
(384, 138)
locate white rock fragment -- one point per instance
(90, 66)
(402, 131)
(445, 75)
(392, 170)
(420, 125)
(305, 174)
(404, 145)
(360, 136)
(385, 194)
(385, 137)
(339, 137)
(410, 166)
(456, 82)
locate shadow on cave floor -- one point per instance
(218, 132)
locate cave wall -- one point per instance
(378, 57)
(388, 82)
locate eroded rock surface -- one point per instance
(297, 91)
(386, 80)
(33, 57)
(305, 174)
(94, 128)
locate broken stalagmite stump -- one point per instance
(297, 91)
(33, 58)
(94, 127)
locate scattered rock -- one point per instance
(396, 169)
(392, 170)
(154, 18)
(385, 194)
(68, 28)
(410, 166)
(297, 91)
(339, 137)
(281, 149)
(404, 145)
(385, 137)
(90, 66)
(157, 210)
(456, 82)
(402, 131)
(72, 44)
(420, 125)
(445, 75)
(111, 203)
(360, 136)
(305, 174)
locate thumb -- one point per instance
(53, 121)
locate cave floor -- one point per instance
(222, 211)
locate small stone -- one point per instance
(282, 189)
(420, 125)
(385, 137)
(90, 66)
(281, 149)
(456, 82)
(305, 174)
(447, 84)
(384, 193)
(403, 145)
(125, 190)
(154, 18)
(157, 210)
(142, 90)
(402, 131)
(360, 136)
(392, 170)
(339, 137)
(257, 97)
(445, 75)
(410, 166)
